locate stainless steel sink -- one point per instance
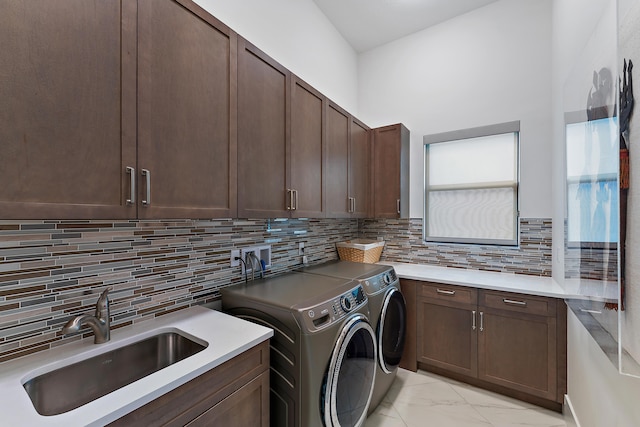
(74, 385)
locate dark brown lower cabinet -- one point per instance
(449, 342)
(245, 407)
(517, 343)
(510, 343)
(235, 393)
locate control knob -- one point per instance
(345, 303)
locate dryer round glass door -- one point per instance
(392, 329)
(348, 385)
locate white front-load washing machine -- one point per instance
(323, 352)
(388, 314)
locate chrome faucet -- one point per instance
(99, 323)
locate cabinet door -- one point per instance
(248, 406)
(307, 149)
(516, 346)
(263, 134)
(66, 69)
(337, 178)
(447, 328)
(360, 169)
(186, 112)
(391, 172)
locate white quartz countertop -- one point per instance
(519, 283)
(576, 289)
(226, 337)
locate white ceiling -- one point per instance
(366, 24)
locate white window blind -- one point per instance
(471, 185)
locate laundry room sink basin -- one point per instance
(74, 385)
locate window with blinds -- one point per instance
(471, 185)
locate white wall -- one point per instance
(489, 66)
(583, 42)
(299, 36)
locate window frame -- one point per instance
(471, 133)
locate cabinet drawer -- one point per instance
(449, 293)
(518, 302)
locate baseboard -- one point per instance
(569, 414)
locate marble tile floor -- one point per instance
(423, 399)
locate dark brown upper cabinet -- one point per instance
(67, 116)
(348, 165)
(338, 135)
(116, 109)
(155, 109)
(281, 140)
(186, 112)
(391, 165)
(307, 165)
(360, 169)
(264, 135)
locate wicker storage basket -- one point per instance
(360, 250)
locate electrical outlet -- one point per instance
(234, 254)
(301, 248)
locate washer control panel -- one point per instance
(324, 314)
(378, 283)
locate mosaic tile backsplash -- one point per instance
(52, 270)
(403, 243)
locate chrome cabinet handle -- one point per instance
(350, 205)
(353, 204)
(473, 320)
(481, 321)
(290, 194)
(295, 199)
(147, 174)
(132, 182)
(514, 302)
(445, 292)
(398, 205)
